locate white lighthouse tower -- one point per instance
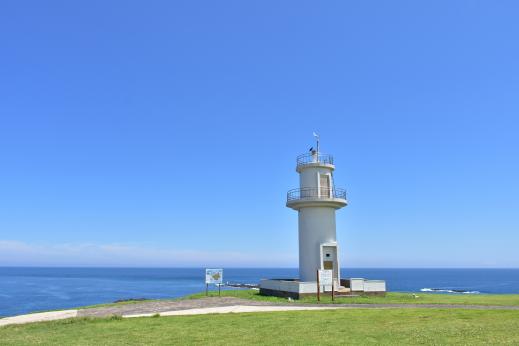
(316, 201)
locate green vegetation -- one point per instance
(390, 298)
(124, 302)
(349, 326)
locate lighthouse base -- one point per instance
(290, 288)
(295, 289)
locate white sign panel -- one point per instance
(213, 276)
(325, 277)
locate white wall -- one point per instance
(363, 285)
(309, 177)
(316, 226)
(357, 285)
(374, 286)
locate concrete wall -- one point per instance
(374, 286)
(367, 286)
(357, 285)
(289, 286)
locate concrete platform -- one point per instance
(293, 288)
(287, 288)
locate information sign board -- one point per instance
(214, 276)
(325, 277)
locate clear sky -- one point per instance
(164, 133)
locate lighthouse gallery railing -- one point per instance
(314, 192)
(309, 158)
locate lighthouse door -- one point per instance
(329, 260)
(328, 265)
(324, 182)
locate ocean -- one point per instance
(24, 290)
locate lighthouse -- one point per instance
(316, 200)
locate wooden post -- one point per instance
(318, 290)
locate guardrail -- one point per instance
(305, 159)
(314, 192)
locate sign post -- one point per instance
(215, 277)
(318, 287)
(333, 289)
(325, 278)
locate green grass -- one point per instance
(357, 326)
(351, 326)
(390, 298)
(125, 302)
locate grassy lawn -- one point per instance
(126, 302)
(390, 298)
(351, 326)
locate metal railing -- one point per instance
(314, 192)
(309, 158)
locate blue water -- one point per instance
(25, 290)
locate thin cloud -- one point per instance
(17, 253)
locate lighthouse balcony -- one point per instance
(314, 160)
(316, 197)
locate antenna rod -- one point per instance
(317, 137)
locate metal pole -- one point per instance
(219, 288)
(206, 289)
(317, 148)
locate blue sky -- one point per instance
(165, 133)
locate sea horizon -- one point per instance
(250, 267)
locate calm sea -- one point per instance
(25, 290)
